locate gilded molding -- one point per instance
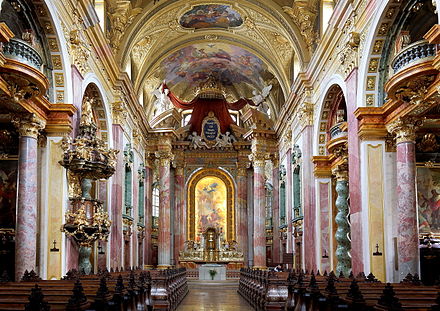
(304, 17)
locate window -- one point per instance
(155, 201)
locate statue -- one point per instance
(86, 111)
(225, 140)
(162, 102)
(259, 98)
(197, 141)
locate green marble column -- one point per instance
(343, 231)
(282, 185)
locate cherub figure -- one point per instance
(197, 141)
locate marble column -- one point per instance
(164, 240)
(407, 239)
(148, 244)
(343, 230)
(179, 216)
(276, 252)
(27, 200)
(116, 239)
(259, 212)
(242, 211)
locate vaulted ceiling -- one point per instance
(246, 44)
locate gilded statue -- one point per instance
(86, 111)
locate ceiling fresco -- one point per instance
(230, 64)
(211, 16)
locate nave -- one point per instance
(213, 296)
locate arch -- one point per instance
(230, 200)
(102, 107)
(320, 138)
(62, 93)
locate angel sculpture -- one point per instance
(197, 141)
(259, 98)
(225, 140)
(162, 102)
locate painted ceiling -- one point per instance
(230, 64)
(211, 16)
(247, 47)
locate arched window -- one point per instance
(141, 198)
(268, 202)
(155, 205)
(128, 160)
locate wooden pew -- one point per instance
(125, 290)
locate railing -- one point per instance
(413, 52)
(21, 51)
(336, 131)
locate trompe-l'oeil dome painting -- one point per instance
(211, 16)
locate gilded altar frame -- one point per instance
(230, 201)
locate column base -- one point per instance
(164, 267)
(147, 267)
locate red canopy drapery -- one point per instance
(202, 106)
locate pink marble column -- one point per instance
(259, 213)
(242, 212)
(407, 209)
(27, 200)
(116, 240)
(180, 219)
(164, 240)
(407, 239)
(309, 209)
(276, 255)
(354, 174)
(148, 245)
(324, 206)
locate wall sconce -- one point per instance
(377, 253)
(54, 248)
(325, 254)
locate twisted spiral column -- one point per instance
(342, 233)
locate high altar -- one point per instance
(211, 222)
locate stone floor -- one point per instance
(213, 296)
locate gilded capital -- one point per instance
(165, 158)
(179, 170)
(404, 129)
(29, 126)
(341, 172)
(258, 159)
(305, 113)
(118, 113)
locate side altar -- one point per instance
(211, 247)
